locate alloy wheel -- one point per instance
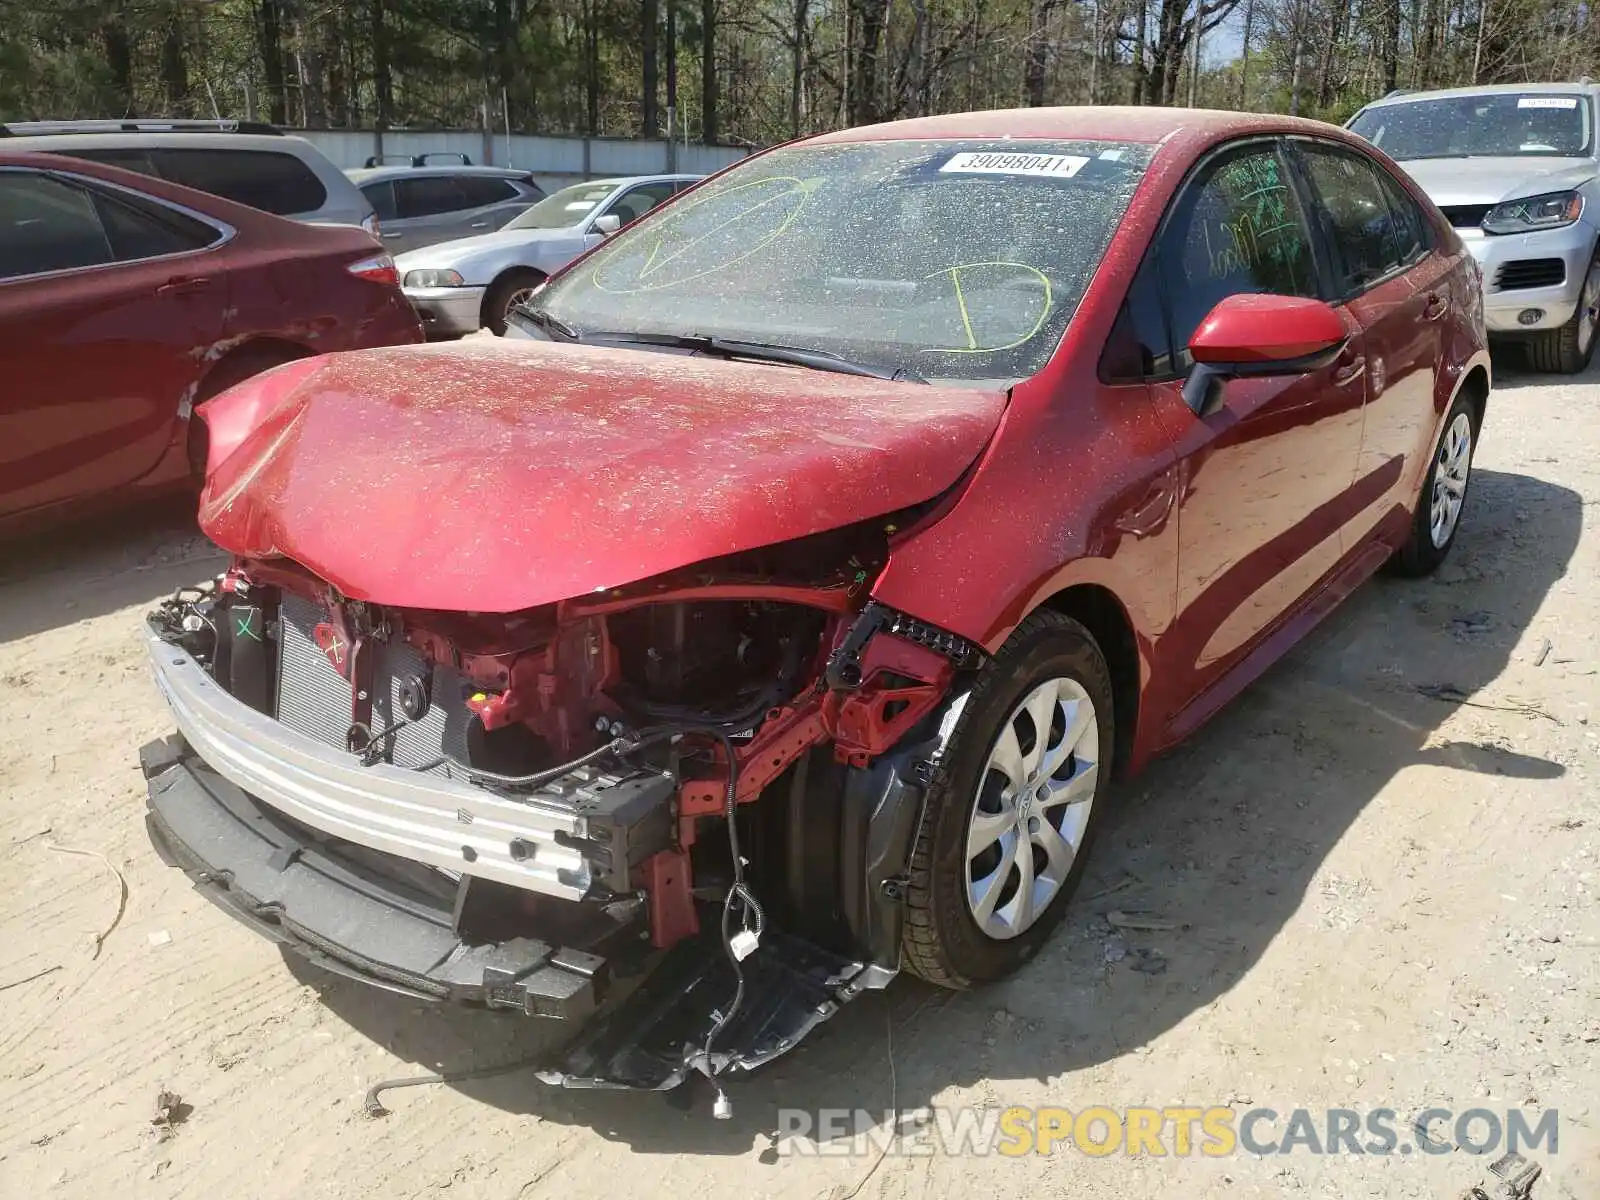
(1032, 807)
(1450, 479)
(517, 299)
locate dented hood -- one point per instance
(491, 475)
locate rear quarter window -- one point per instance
(139, 228)
(128, 160)
(270, 180)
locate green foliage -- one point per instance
(779, 67)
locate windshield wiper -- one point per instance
(800, 356)
(558, 329)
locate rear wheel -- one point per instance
(1567, 350)
(1444, 493)
(506, 293)
(240, 366)
(1010, 821)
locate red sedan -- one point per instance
(126, 301)
(782, 602)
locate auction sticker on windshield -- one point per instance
(1057, 166)
(1548, 102)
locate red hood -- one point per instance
(493, 475)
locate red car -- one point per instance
(776, 611)
(126, 301)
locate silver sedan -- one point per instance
(458, 287)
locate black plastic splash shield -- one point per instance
(655, 1038)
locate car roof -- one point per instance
(1124, 123)
(402, 171)
(1486, 89)
(145, 138)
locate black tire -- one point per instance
(1420, 555)
(497, 300)
(942, 942)
(1568, 349)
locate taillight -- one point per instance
(379, 269)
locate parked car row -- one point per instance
(222, 291)
(126, 302)
(417, 202)
(147, 266)
(475, 282)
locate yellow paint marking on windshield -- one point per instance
(961, 301)
(799, 191)
(798, 187)
(972, 346)
(650, 262)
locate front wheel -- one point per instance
(1008, 825)
(1567, 350)
(510, 290)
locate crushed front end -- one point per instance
(676, 814)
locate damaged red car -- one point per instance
(772, 610)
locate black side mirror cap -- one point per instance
(1202, 389)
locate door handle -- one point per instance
(1350, 370)
(183, 285)
(1436, 307)
(390, 235)
(479, 225)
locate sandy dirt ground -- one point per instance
(1386, 898)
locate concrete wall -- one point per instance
(554, 161)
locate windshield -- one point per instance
(952, 260)
(1493, 125)
(560, 210)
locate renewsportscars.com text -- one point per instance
(1216, 1131)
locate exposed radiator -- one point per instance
(314, 699)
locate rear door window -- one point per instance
(484, 190)
(429, 196)
(1367, 237)
(270, 180)
(47, 225)
(1412, 226)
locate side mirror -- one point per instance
(607, 224)
(1257, 335)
